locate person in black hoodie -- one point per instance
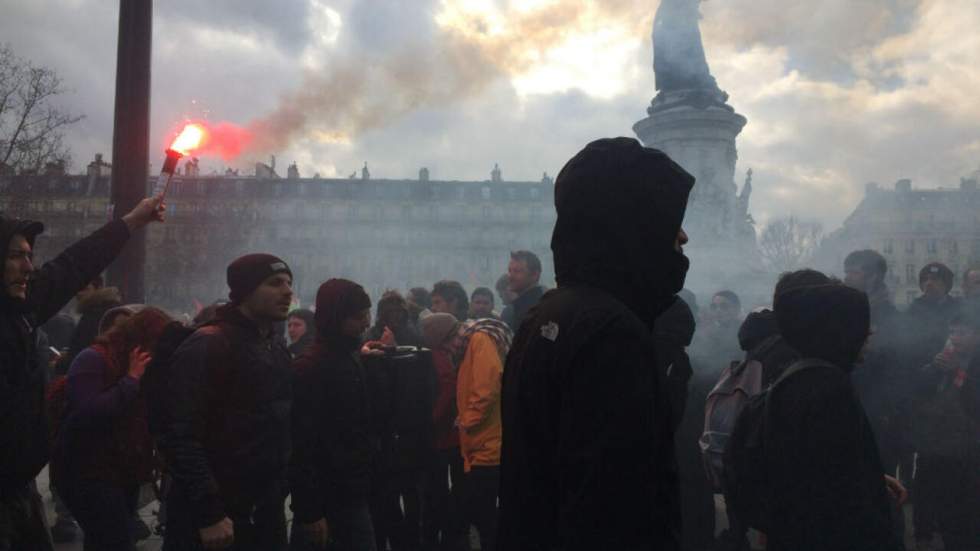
(827, 488)
(588, 456)
(226, 436)
(334, 446)
(28, 299)
(674, 331)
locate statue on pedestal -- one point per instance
(679, 62)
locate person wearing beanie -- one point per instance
(226, 438)
(30, 297)
(927, 319)
(333, 442)
(442, 525)
(588, 456)
(828, 490)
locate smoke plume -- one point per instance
(471, 49)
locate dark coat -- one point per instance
(23, 427)
(514, 314)
(333, 444)
(926, 327)
(826, 479)
(587, 458)
(227, 437)
(826, 474)
(333, 433)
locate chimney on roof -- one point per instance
(495, 174)
(424, 175)
(903, 185)
(292, 172)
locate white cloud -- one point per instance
(837, 93)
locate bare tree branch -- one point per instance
(786, 243)
(31, 126)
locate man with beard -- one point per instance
(29, 298)
(523, 274)
(333, 454)
(588, 455)
(226, 436)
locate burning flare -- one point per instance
(189, 139)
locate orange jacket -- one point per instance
(478, 402)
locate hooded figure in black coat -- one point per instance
(826, 475)
(588, 457)
(29, 297)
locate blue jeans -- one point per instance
(104, 511)
(350, 528)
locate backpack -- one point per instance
(739, 382)
(745, 474)
(154, 383)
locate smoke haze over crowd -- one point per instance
(836, 95)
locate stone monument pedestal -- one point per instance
(698, 131)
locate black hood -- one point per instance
(757, 327)
(9, 227)
(829, 322)
(620, 206)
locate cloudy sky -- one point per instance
(837, 93)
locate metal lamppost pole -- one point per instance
(131, 138)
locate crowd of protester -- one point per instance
(611, 412)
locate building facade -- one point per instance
(911, 228)
(381, 233)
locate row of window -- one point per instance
(932, 246)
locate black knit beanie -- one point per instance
(246, 273)
(940, 269)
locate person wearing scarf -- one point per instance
(481, 347)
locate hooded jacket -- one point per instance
(334, 445)
(587, 459)
(823, 463)
(23, 430)
(227, 437)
